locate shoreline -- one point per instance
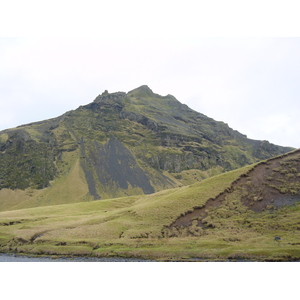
(17, 257)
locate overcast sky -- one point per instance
(252, 83)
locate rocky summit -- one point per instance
(120, 144)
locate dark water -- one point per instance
(4, 257)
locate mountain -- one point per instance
(251, 213)
(121, 144)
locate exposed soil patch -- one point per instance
(272, 184)
(198, 213)
(269, 185)
(34, 237)
(10, 223)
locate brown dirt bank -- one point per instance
(268, 186)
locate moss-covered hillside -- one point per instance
(121, 144)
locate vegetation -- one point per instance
(142, 175)
(145, 226)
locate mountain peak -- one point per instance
(122, 144)
(143, 90)
(106, 96)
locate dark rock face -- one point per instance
(139, 119)
(86, 165)
(113, 161)
(112, 165)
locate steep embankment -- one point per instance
(121, 144)
(233, 215)
(267, 186)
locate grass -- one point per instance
(3, 137)
(132, 226)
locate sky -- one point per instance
(234, 61)
(239, 68)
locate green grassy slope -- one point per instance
(144, 225)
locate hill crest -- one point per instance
(120, 144)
